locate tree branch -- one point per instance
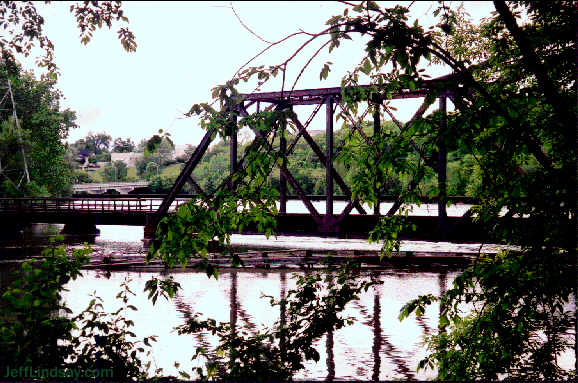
(531, 58)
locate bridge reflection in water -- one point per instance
(376, 345)
(399, 363)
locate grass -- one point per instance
(172, 171)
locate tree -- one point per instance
(35, 138)
(123, 146)
(24, 28)
(115, 172)
(515, 105)
(98, 143)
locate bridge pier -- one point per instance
(80, 228)
(148, 235)
(11, 231)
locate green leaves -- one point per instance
(417, 306)
(113, 347)
(167, 288)
(30, 331)
(325, 71)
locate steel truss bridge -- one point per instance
(147, 211)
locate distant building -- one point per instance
(180, 150)
(128, 158)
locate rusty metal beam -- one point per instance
(376, 134)
(294, 184)
(282, 178)
(289, 177)
(421, 110)
(196, 186)
(318, 96)
(442, 169)
(299, 132)
(338, 180)
(233, 152)
(182, 178)
(329, 157)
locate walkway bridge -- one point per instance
(99, 188)
(353, 220)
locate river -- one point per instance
(376, 347)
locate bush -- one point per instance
(115, 172)
(161, 185)
(82, 177)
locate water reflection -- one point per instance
(377, 346)
(376, 336)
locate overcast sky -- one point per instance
(185, 49)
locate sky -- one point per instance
(184, 50)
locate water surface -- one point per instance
(376, 347)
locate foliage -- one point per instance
(311, 310)
(166, 288)
(96, 143)
(514, 329)
(37, 329)
(105, 339)
(24, 28)
(82, 177)
(30, 330)
(37, 139)
(513, 88)
(157, 153)
(249, 203)
(115, 172)
(159, 184)
(123, 146)
(153, 144)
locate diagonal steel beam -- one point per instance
(421, 110)
(289, 177)
(182, 178)
(196, 186)
(355, 125)
(345, 212)
(317, 150)
(295, 185)
(306, 125)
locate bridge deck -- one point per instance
(139, 211)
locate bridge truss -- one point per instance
(331, 99)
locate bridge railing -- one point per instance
(89, 205)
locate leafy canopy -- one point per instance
(513, 89)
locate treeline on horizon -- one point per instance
(463, 173)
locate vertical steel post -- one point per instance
(282, 178)
(442, 169)
(233, 151)
(376, 132)
(329, 157)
